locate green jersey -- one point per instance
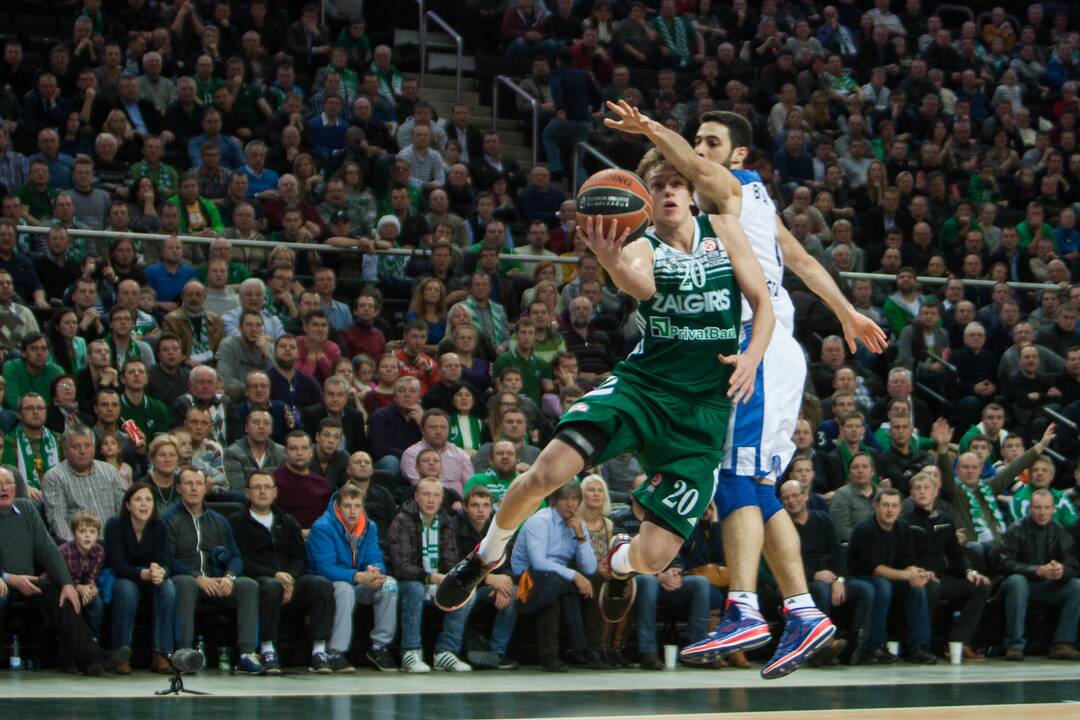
(693, 317)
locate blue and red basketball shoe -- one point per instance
(739, 629)
(806, 631)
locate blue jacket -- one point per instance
(330, 554)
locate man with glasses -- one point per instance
(31, 447)
(274, 554)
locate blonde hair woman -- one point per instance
(602, 637)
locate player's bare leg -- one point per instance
(647, 553)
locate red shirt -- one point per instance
(305, 497)
(421, 366)
(360, 340)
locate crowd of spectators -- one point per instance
(271, 428)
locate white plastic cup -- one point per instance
(956, 653)
(671, 655)
(893, 646)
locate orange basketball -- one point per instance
(619, 195)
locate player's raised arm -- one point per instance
(751, 279)
(712, 180)
(629, 265)
(856, 325)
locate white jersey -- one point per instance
(758, 442)
(757, 217)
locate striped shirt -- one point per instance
(424, 167)
(67, 492)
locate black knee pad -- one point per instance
(588, 439)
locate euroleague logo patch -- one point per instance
(655, 482)
(709, 246)
(578, 407)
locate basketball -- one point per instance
(618, 195)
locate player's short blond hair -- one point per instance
(654, 161)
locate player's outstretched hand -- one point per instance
(741, 385)
(859, 327)
(605, 246)
(630, 121)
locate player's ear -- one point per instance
(738, 155)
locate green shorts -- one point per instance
(680, 444)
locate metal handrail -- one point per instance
(584, 147)
(434, 17)
(504, 80)
(927, 280)
(202, 240)
(421, 31)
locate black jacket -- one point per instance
(352, 424)
(1025, 546)
(266, 553)
(901, 468)
(935, 543)
(819, 545)
(153, 119)
(870, 545)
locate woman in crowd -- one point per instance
(474, 368)
(467, 429)
(356, 190)
(429, 304)
(547, 292)
(343, 368)
(128, 142)
(164, 454)
(545, 272)
(142, 206)
(76, 139)
(66, 347)
(64, 412)
(869, 195)
(386, 374)
(458, 315)
(307, 175)
(135, 550)
(603, 637)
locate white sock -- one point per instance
(620, 561)
(802, 601)
(318, 646)
(493, 546)
(746, 600)
(266, 647)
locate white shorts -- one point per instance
(759, 434)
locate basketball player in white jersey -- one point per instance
(759, 446)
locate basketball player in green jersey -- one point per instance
(670, 400)
(759, 445)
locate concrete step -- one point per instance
(411, 38)
(446, 96)
(447, 61)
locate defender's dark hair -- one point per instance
(739, 129)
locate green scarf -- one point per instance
(34, 467)
(846, 455)
(133, 352)
(984, 531)
(429, 545)
(465, 432)
(676, 35)
(200, 340)
(499, 332)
